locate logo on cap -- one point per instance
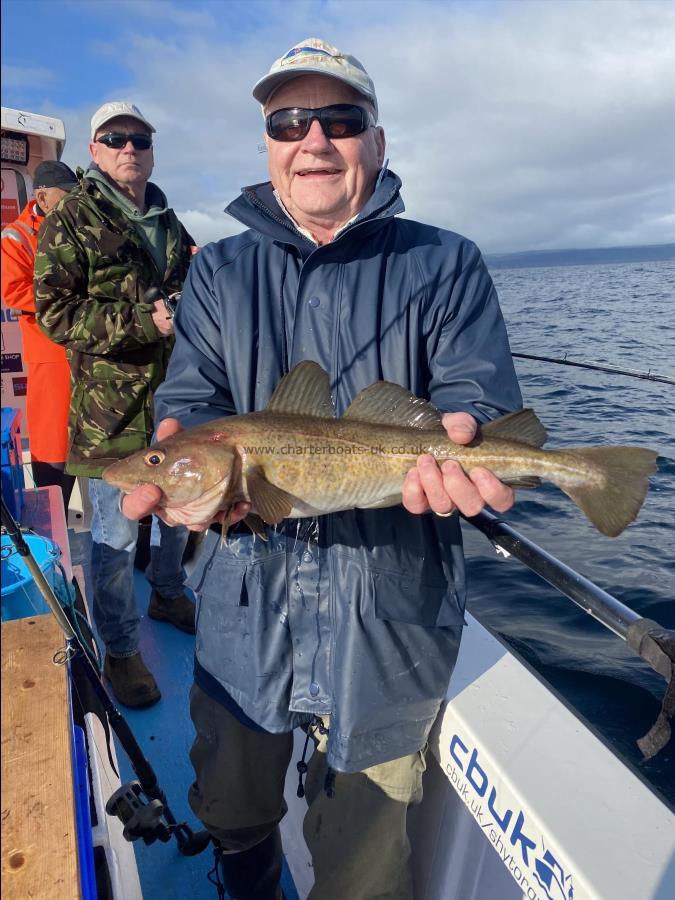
(306, 51)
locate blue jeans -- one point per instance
(112, 567)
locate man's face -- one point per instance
(47, 198)
(125, 166)
(323, 181)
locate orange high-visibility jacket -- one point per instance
(19, 242)
(48, 392)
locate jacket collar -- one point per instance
(32, 213)
(258, 209)
(155, 199)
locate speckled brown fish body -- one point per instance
(295, 459)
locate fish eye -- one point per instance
(155, 458)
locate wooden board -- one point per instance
(39, 852)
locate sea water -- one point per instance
(622, 315)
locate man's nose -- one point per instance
(315, 140)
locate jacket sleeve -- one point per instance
(196, 387)
(17, 276)
(469, 358)
(67, 313)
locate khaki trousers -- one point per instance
(357, 838)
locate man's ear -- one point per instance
(40, 198)
(381, 144)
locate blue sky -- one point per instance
(522, 123)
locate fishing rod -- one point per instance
(653, 643)
(599, 367)
(151, 820)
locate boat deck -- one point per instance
(165, 734)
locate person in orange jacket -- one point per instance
(48, 388)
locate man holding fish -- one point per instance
(346, 624)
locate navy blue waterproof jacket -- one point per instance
(358, 614)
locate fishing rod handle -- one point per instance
(592, 599)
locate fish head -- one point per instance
(185, 467)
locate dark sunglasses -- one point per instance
(341, 120)
(116, 140)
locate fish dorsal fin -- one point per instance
(304, 391)
(384, 403)
(272, 504)
(523, 426)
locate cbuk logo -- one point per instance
(509, 823)
(8, 315)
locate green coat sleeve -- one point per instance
(109, 319)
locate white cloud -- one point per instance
(523, 125)
(26, 76)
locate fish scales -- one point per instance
(293, 459)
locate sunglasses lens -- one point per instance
(288, 124)
(141, 141)
(341, 120)
(117, 140)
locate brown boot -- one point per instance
(131, 682)
(179, 611)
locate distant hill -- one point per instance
(592, 256)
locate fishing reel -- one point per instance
(141, 816)
(170, 300)
(148, 819)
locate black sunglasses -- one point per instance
(341, 120)
(116, 140)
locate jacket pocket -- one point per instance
(114, 417)
(242, 634)
(399, 641)
(401, 598)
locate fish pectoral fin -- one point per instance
(522, 425)
(523, 481)
(271, 503)
(257, 526)
(384, 403)
(225, 525)
(304, 391)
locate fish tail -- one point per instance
(612, 497)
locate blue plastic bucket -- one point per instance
(20, 595)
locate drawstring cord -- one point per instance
(302, 767)
(214, 875)
(282, 310)
(329, 783)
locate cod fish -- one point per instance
(295, 459)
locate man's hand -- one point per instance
(144, 500)
(446, 488)
(163, 321)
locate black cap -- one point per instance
(54, 174)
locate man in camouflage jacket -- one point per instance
(102, 248)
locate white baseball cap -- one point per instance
(314, 56)
(112, 110)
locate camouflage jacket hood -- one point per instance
(92, 268)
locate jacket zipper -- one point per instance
(290, 227)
